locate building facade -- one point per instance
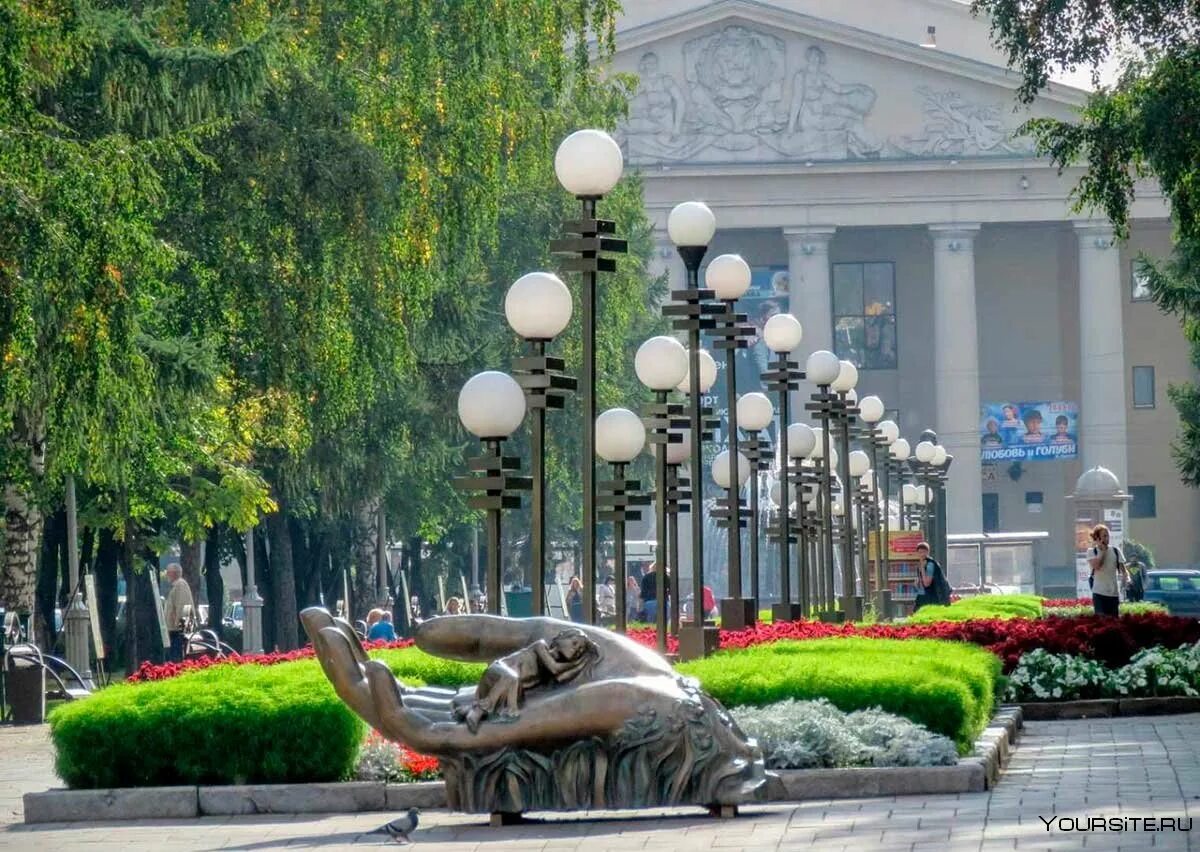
(881, 193)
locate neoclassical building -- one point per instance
(876, 185)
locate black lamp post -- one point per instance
(728, 276)
(881, 436)
(538, 308)
(588, 164)
(661, 364)
(823, 369)
(844, 411)
(491, 405)
(691, 226)
(755, 413)
(620, 437)
(782, 334)
(678, 496)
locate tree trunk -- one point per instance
(283, 581)
(366, 542)
(23, 518)
(189, 561)
(54, 536)
(265, 582)
(107, 556)
(143, 641)
(214, 583)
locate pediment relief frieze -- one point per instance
(738, 92)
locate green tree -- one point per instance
(92, 113)
(1146, 125)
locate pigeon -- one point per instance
(399, 829)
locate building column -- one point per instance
(1102, 422)
(808, 277)
(666, 259)
(956, 371)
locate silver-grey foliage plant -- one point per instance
(816, 734)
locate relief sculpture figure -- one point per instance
(827, 118)
(565, 717)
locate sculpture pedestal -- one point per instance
(883, 605)
(852, 607)
(787, 612)
(738, 613)
(697, 642)
(832, 616)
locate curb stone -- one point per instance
(974, 773)
(1102, 708)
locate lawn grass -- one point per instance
(981, 606)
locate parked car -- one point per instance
(1177, 590)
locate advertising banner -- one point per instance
(1028, 431)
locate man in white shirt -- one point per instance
(177, 605)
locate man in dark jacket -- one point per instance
(931, 580)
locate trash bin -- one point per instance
(26, 685)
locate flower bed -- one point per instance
(383, 760)
(1076, 610)
(1153, 672)
(1113, 641)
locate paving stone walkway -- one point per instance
(1123, 771)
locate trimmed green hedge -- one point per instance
(223, 725)
(229, 724)
(981, 606)
(238, 724)
(948, 687)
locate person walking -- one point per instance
(1108, 573)
(633, 599)
(606, 600)
(931, 580)
(175, 608)
(575, 599)
(649, 590)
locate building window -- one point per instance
(1139, 282)
(864, 314)
(991, 512)
(1143, 387)
(1033, 502)
(1143, 504)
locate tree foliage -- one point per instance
(1146, 125)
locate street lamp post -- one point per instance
(728, 276)
(620, 436)
(661, 364)
(782, 334)
(76, 617)
(822, 370)
(755, 413)
(725, 467)
(538, 308)
(844, 410)
(491, 405)
(857, 464)
(678, 497)
(588, 164)
(898, 454)
(691, 226)
(871, 411)
(801, 441)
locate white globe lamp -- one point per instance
(588, 163)
(678, 453)
(754, 411)
(889, 430)
(720, 469)
(538, 306)
(925, 452)
(728, 276)
(870, 409)
(491, 405)
(661, 363)
(802, 440)
(860, 463)
(708, 374)
(847, 377)
(782, 333)
(691, 225)
(818, 450)
(822, 367)
(900, 449)
(620, 435)
(939, 455)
